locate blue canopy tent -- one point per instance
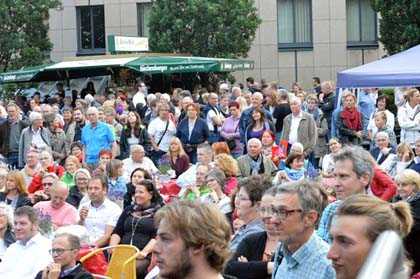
(399, 70)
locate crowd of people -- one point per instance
(249, 181)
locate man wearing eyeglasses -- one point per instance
(302, 253)
(65, 248)
(29, 254)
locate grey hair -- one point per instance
(254, 140)
(92, 110)
(295, 99)
(206, 147)
(72, 239)
(52, 175)
(35, 116)
(308, 192)
(361, 159)
(8, 212)
(136, 147)
(259, 95)
(272, 191)
(382, 134)
(150, 98)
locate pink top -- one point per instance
(231, 185)
(65, 215)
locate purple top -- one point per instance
(230, 128)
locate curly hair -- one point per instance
(199, 225)
(227, 164)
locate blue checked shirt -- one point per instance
(326, 219)
(308, 262)
(255, 226)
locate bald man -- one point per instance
(60, 212)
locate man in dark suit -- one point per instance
(10, 131)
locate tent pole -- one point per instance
(296, 67)
(363, 56)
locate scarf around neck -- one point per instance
(256, 165)
(351, 118)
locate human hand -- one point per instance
(83, 213)
(242, 259)
(141, 255)
(52, 271)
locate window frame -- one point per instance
(362, 44)
(91, 51)
(305, 46)
(140, 17)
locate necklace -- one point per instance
(134, 227)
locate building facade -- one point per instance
(297, 39)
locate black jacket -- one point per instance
(252, 247)
(5, 135)
(21, 201)
(9, 237)
(412, 240)
(74, 197)
(143, 140)
(78, 273)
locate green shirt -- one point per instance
(68, 179)
(191, 196)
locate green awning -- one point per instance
(141, 63)
(179, 64)
(23, 75)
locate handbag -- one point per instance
(189, 148)
(232, 142)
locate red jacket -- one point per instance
(382, 185)
(36, 183)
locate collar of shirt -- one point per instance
(37, 131)
(299, 116)
(301, 254)
(31, 241)
(99, 207)
(255, 222)
(68, 271)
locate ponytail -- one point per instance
(383, 215)
(403, 212)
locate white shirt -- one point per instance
(129, 165)
(294, 126)
(99, 217)
(156, 129)
(37, 139)
(24, 261)
(138, 98)
(187, 178)
(213, 113)
(2, 248)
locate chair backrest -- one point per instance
(120, 256)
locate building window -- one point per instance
(294, 20)
(91, 29)
(143, 15)
(361, 24)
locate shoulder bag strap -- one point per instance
(166, 129)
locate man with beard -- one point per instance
(192, 241)
(79, 118)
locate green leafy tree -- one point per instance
(24, 32)
(213, 28)
(399, 23)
